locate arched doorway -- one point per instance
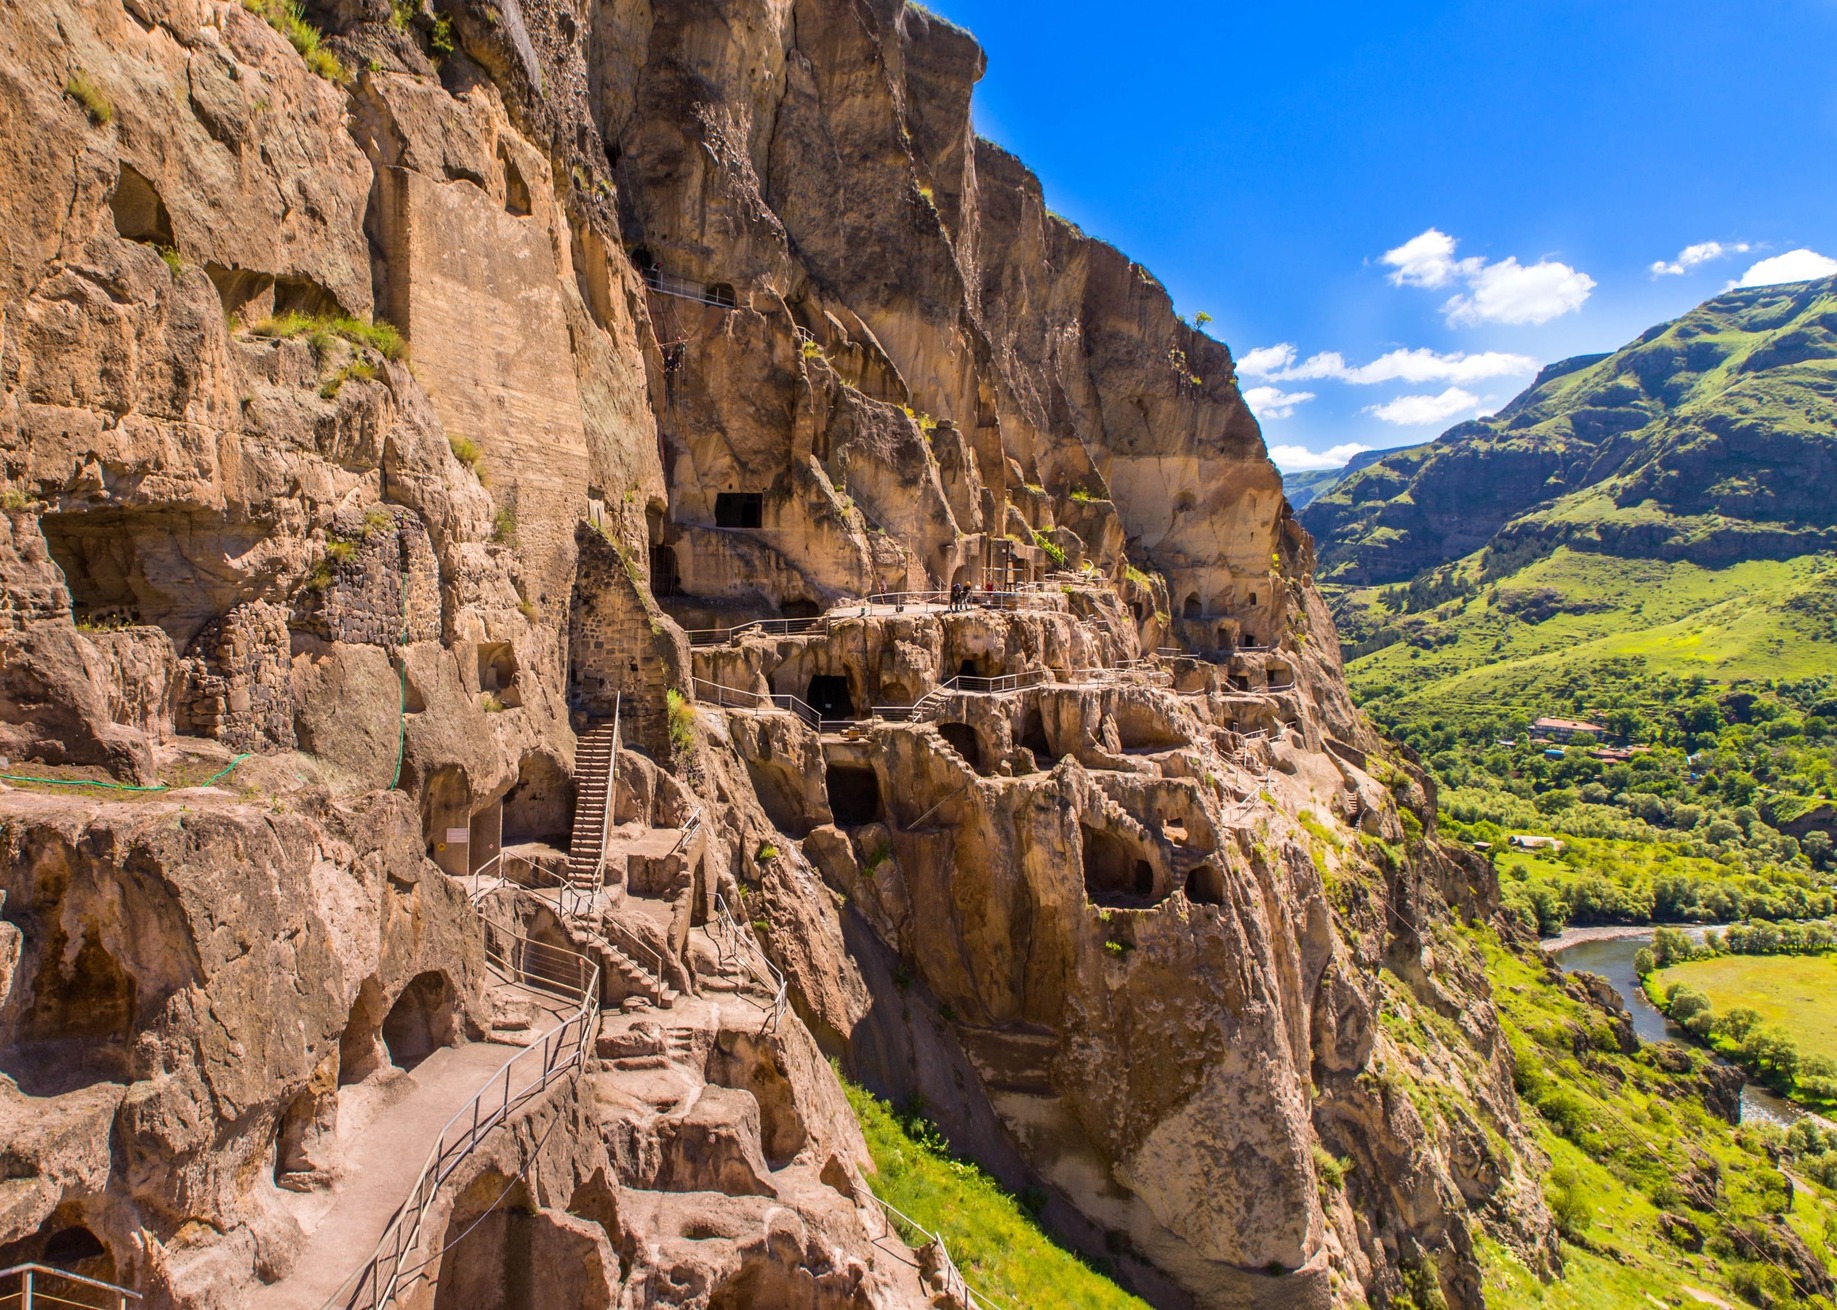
(423, 1019)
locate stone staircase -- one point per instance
(594, 762)
(644, 984)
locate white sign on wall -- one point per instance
(457, 836)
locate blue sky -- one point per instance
(1524, 166)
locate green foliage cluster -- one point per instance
(682, 721)
(1054, 551)
(993, 1236)
(361, 370)
(465, 450)
(288, 18)
(1633, 1150)
(320, 330)
(504, 526)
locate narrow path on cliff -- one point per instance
(379, 1163)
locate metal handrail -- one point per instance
(612, 792)
(953, 1276)
(684, 288)
(723, 696)
(27, 1296)
(774, 980)
(766, 627)
(561, 1053)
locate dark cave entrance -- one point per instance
(423, 1019)
(1112, 873)
(829, 697)
(854, 795)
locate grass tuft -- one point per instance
(289, 19)
(320, 330)
(83, 89)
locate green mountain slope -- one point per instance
(1710, 439)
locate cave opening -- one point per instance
(360, 1046)
(540, 808)
(666, 576)
(962, 739)
(140, 214)
(1033, 736)
(423, 1019)
(1192, 609)
(739, 509)
(1205, 885)
(801, 609)
(516, 190)
(854, 795)
(78, 1025)
(66, 1242)
(497, 672)
(1113, 875)
(830, 697)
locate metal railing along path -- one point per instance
(740, 698)
(771, 978)
(903, 1226)
(559, 1054)
(717, 295)
(764, 627)
(31, 1283)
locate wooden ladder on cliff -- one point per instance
(596, 763)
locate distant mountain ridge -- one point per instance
(1304, 487)
(1712, 438)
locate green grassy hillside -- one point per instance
(1712, 438)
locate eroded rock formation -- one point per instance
(511, 462)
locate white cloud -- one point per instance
(1416, 411)
(1692, 256)
(1417, 365)
(1299, 459)
(1266, 361)
(1794, 266)
(1503, 292)
(1510, 292)
(1427, 261)
(1274, 402)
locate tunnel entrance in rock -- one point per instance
(963, 740)
(540, 808)
(1192, 609)
(830, 697)
(423, 1019)
(140, 214)
(722, 294)
(739, 509)
(1113, 875)
(1205, 885)
(800, 609)
(854, 795)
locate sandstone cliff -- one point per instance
(451, 450)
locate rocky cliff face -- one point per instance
(1703, 440)
(391, 404)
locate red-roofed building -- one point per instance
(1564, 729)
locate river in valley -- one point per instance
(1612, 958)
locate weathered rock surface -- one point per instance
(701, 314)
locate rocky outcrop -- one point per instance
(374, 423)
